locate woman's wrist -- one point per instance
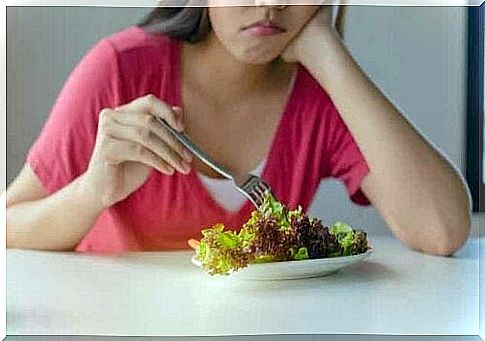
(88, 194)
(327, 58)
(320, 50)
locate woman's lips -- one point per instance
(264, 28)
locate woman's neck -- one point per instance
(210, 65)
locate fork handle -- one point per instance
(184, 139)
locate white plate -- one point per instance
(295, 269)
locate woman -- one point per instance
(266, 88)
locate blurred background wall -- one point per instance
(416, 55)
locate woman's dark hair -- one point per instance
(185, 23)
(191, 24)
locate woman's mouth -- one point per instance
(263, 28)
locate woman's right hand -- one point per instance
(130, 143)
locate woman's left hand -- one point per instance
(314, 30)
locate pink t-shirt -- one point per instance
(311, 143)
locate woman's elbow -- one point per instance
(448, 237)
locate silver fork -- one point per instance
(249, 185)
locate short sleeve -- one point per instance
(63, 149)
(344, 160)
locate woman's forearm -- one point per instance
(57, 222)
(422, 197)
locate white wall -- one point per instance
(416, 55)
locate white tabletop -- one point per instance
(394, 291)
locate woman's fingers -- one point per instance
(150, 124)
(136, 123)
(118, 151)
(145, 137)
(151, 105)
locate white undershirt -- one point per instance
(224, 192)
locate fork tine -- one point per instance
(248, 195)
(259, 191)
(256, 199)
(268, 189)
(254, 188)
(264, 187)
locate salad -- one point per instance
(274, 233)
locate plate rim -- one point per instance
(315, 260)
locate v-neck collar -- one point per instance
(273, 149)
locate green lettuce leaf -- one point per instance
(221, 252)
(264, 259)
(340, 228)
(352, 241)
(302, 254)
(276, 210)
